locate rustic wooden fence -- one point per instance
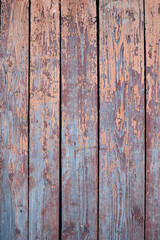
(80, 119)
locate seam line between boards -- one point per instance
(60, 129)
(29, 58)
(98, 114)
(145, 119)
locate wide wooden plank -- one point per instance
(79, 119)
(152, 17)
(121, 120)
(14, 120)
(44, 121)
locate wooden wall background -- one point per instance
(80, 119)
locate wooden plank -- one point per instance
(121, 120)
(152, 16)
(44, 121)
(14, 120)
(79, 119)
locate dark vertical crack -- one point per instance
(29, 52)
(145, 120)
(98, 113)
(60, 130)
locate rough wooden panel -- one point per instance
(14, 120)
(79, 119)
(152, 9)
(44, 120)
(121, 120)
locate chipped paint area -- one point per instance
(13, 120)
(79, 120)
(153, 119)
(44, 121)
(121, 120)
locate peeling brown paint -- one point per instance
(44, 120)
(152, 118)
(13, 119)
(79, 120)
(121, 120)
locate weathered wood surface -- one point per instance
(152, 16)
(14, 120)
(121, 120)
(44, 121)
(79, 119)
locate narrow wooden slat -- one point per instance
(44, 121)
(79, 119)
(14, 120)
(152, 16)
(121, 120)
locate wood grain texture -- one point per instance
(152, 16)
(79, 119)
(14, 120)
(44, 120)
(121, 120)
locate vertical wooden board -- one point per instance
(44, 120)
(14, 120)
(121, 120)
(79, 119)
(152, 16)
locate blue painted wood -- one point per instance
(152, 10)
(79, 119)
(44, 121)
(122, 145)
(14, 120)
